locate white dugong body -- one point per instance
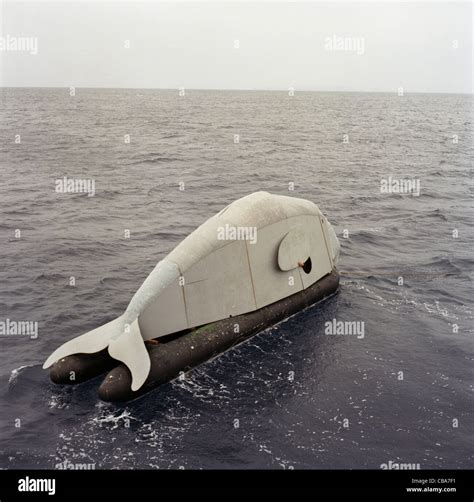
(214, 287)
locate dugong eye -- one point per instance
(307, 265)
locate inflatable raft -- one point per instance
(258, 261)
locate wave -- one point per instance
(49, 277)
(153, 159)
(406, 298)
(437, 214)
(15, 373)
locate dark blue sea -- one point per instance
(292, 396)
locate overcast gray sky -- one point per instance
(357, 46)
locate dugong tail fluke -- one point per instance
(93, 341)
(124, 343)
(122, 336)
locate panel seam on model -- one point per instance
(250, 272)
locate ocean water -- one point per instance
(291, 397)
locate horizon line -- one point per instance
(229, 89)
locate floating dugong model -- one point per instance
(254, 253)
